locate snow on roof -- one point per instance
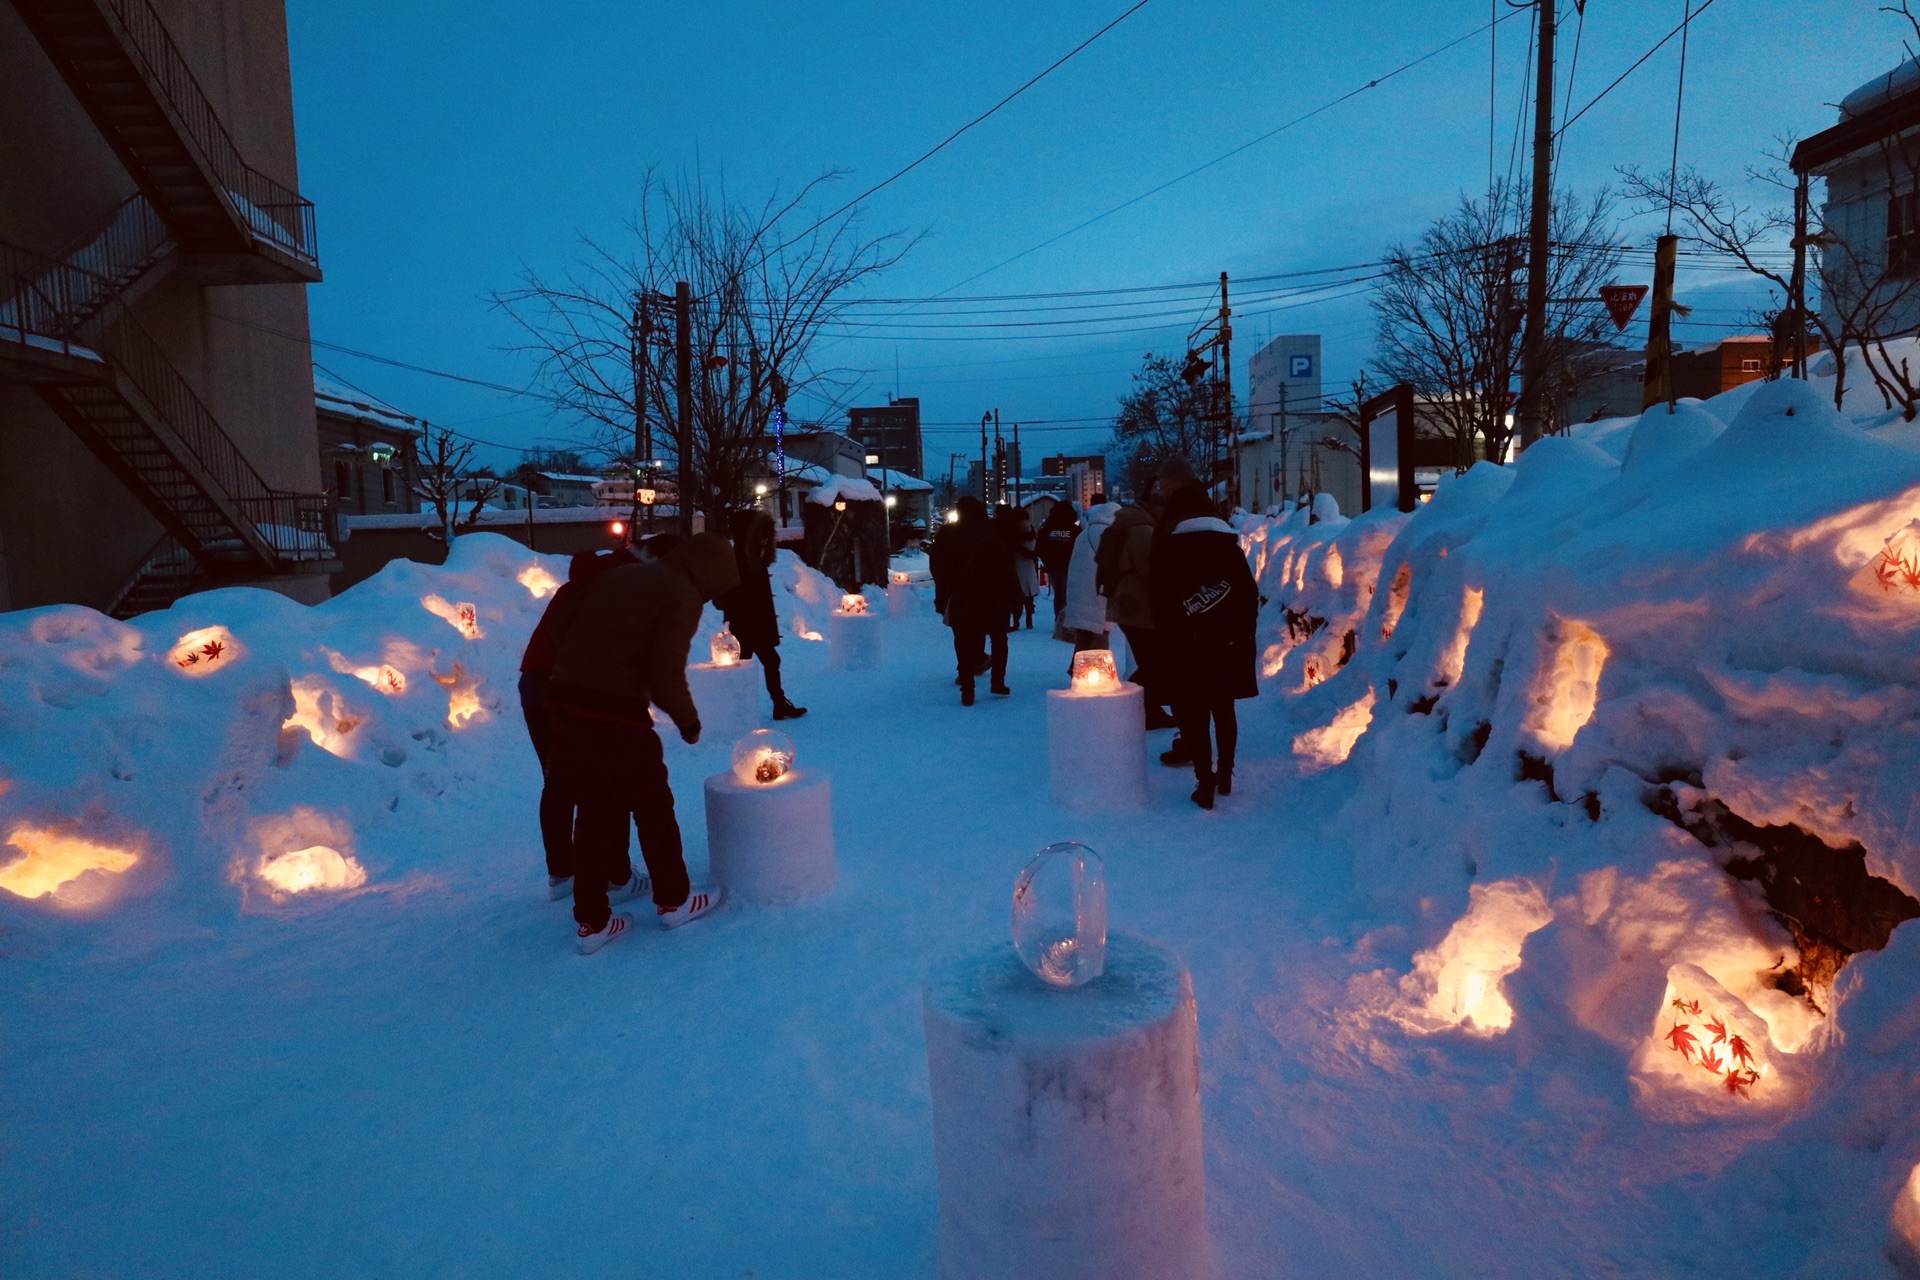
(849, 488)
(1884, 87)
(567, 477)
(899, 480)
(345, 402)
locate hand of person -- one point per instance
(690, 734)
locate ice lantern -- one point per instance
(763, 758)
(850, 603)
(1094, 672)
(1060, 915)
(726, 649)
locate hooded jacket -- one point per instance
(1086, 608)
(749, 606)
(626, 644)
(974, 584)
(1125, 561)
(1206, 606)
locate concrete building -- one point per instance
(369, 452)
(1084, 475)
(891, 434)
(157, 427)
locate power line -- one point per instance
(1637, 63)
(950, 138)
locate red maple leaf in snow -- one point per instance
(1718, 1028)
(1740, 1051)
(190, 659)
(1681, 1039)
(1737, 1084)
(1711, 1061)
(213, 649)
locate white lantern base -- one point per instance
(727, 698)
(1067, 1122)
(900, 600)
(1097, 748)
(771, 843)
(855, 638)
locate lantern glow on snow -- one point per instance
(1094, 672)
(50, 860)
(1060, 915)
(462, 617)
(308, 870)
(851, 603)
(208, 649)
(726, 649)
(763, 758)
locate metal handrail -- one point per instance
(54, 297)
(270, 210)
(40, 292)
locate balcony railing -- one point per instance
(270, 210)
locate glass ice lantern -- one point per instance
(851, 603)
(1094, 672)
(1060, 915)
(763, 758)
(726, 649)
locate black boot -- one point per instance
(966, 693)
(1203, 792)
(783, 709)
(1223, 780)
(1177, 756)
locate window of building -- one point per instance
(386, 485)
(343, 480)
(1749, 366)
(1903, 233)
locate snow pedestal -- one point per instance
(1097, 748)
(771, 843)
(899, 599)
(728, 698)
(855, 638)
(1066, 1121)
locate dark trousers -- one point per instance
(618, 771)
(970, 646)
(769, 667)
(556, 798)
(1199, 715)
(1146, 663)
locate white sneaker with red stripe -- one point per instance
(637, 886)
(698, 903)
(587, 941)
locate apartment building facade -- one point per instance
(157, 425)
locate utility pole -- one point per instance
(683, 369)
(1533, 367)
(1018, 462)
(642, 332)
(985, 418)
(1658, 384)
(999, 461)
(1226, 395)
(1798, 305)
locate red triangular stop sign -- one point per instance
(1622, 301)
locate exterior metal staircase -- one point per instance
(63, 330)
(234, 224)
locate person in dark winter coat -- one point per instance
(749, 607)
(974, 588)
(1054, 545)
(1205, 607)
(1017, 527)
(536, 665)
(622, 652)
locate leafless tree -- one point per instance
(449, 481)
(1164, 416)
(765, 285)
(1449, 310)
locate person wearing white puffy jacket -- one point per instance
(1085, 617)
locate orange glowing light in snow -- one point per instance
(1458, 983)
(1331, 744)
(324, 715)
(538, 581)
(900, 577)
(208, 649)
(1397, 600)
(386, 678)
(306, 870)
(801, 629)
(1094, 672)
(1568, 690)
(51, 860)
(1454, 661)
(462, 617)
(726, 649)
(851, 603)
(463, 697)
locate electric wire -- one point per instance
(1637, 64)
(1679, 99)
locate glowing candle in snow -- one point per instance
(208, 649)
(726, 649)
(318, 869)
(462, 617)
(324, 715)
(763, 758)
(900, 576)
(1568, 689)
(385, 677)
(1332, 743)
(851, 603)
(1094, 672)
(51, 860)
(538, 581)
(463, 697)
(1060, 915)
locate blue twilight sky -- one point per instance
(449, 147)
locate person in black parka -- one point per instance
(974, 589)
(1205, 608)
(1054, 545)
(749, 607)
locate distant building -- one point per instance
(1612, 380)
(562, 489)
(1283, 379)
(891, 434)
(369, 452)
(1873, 198)
(1084, 475)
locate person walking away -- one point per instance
(1086, 611)
(1205, 608)
(1124, 573)
(557, 804)
(1017, 527)
(625, 649)
(1054, 545)
(974, 588)
(749, 607)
